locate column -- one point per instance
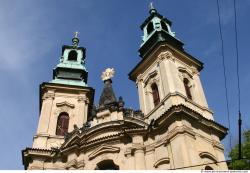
(139, 83)
(139, 159)
(82, 110)
(44, 119)
(139, 152)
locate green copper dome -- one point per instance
(71, 70)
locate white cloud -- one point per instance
(21, 40)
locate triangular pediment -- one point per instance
(65, 103)
(104, 149)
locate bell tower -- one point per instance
(172, 99)
(65, 101)
(166, 75)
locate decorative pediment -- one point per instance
(65, 103)
(185, 72)
(208, 155)
(161, 161)
(150, 76)
(103, 149)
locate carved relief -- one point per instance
(48, 95)
(75, 164)
(65, 103)
(194, 70)
(55, 143)
(139, 79)
(64, 107)
(103, 149)
(83, 98)
(166, 55)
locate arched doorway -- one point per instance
(107, 165)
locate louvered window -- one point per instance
(72, 55)
(62, 124)
(155, 93)
(187, 88)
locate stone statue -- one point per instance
(108, 74)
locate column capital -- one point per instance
(165, 55)
(139, 79)
(83, 98)
(48, 95)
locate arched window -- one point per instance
(164, 26)
(150, 28)
(107, 165)
(62, 124)
(187, 88)
(155, 93)
(72, 55)
(208, 168)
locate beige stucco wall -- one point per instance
(54, 102)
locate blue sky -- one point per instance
(32, 33)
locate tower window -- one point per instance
(187, 88)
(164, 26)
(72, 55)
(107, 165)
(150, 28)
(155, 93)
(62, 124)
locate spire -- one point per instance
(156, 28)
(71, 69)
(151, 8)
(108, 95)
(75, 39)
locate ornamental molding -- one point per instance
(83, 98)
(65, 103)
(208, 155)
(150, 77)
(166, 55)
(139, 79)
(75, 164)
(217, 145)
(180, 130)
(194, 70)
(185, 72)
(103, 149)
(48, 95)
(162, 161)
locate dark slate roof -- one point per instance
(108, 95)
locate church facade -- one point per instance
(174, 128)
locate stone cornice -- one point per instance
(29, 153)
(81, 140)
(75, 164)
(103, 149)
(182, 96)
(174, 112)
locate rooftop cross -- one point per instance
(76, 34)
(151, 8)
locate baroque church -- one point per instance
(174, 128)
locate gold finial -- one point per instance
(108, 74)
